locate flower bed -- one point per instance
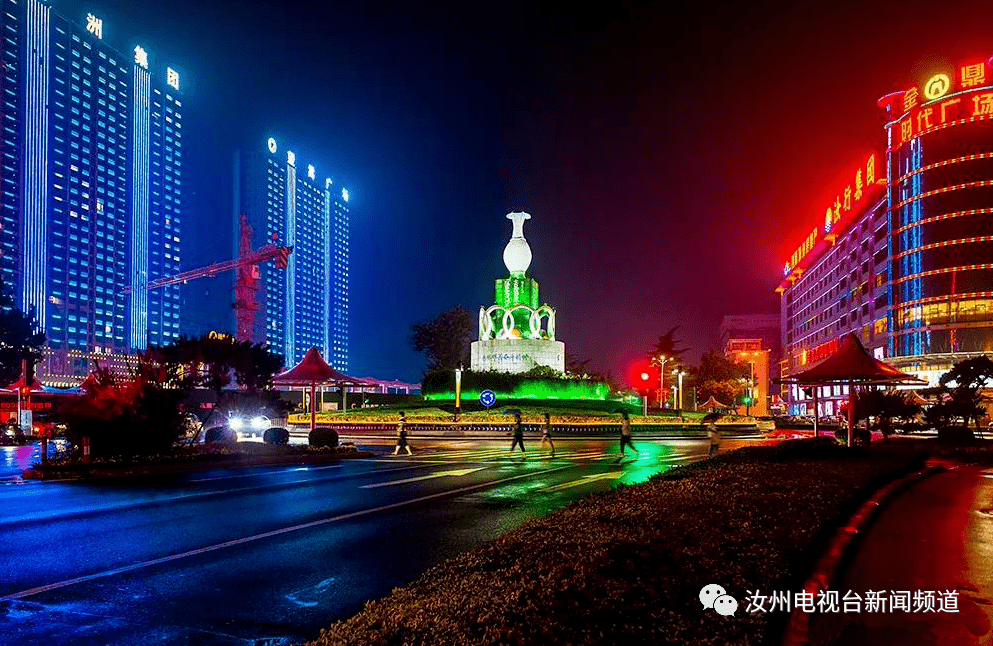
(627, 566)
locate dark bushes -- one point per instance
(220, 435)
(276, 435)
(323, 437)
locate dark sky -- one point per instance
(672, 156)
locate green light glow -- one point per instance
(537, 389)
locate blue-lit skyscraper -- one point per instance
(306, 304)
(89, 203)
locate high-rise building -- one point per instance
(306, 304)
(902, 258)
(89, 196)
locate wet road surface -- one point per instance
(270, 555)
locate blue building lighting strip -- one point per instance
(34, 234)
(140, 119)
(291, 268)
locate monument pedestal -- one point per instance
(517, 355)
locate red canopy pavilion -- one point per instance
(712, 404)
(311, 371)
(850, 365)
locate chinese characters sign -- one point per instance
(862, 184)
(937, 105)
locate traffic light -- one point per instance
(645, 377)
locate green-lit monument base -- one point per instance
(517, 355)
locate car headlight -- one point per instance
(258, 422)
(236, 423)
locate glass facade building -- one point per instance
(911, 272)
(306, 304)
(90, 190)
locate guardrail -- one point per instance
(460, 428)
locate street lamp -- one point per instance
(751, 380)
(679, 376)
(660, 362)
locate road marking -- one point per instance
(61, 514)
(437, 474)
(268, 473)
(276, 532)
(586, 480)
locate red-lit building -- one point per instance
(904, 255)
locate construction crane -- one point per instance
(246, 285)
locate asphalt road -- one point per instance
(271, 555)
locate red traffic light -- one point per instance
(645, 377)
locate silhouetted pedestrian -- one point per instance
(518, 435)
(402, 435)
(714, 436)
(626, 433)
(546, 433)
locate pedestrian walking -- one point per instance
(714, 436)
(518, 435)
(402, 435)
(626, 433)
(546, 434)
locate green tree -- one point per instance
(884, 406)
(255, 365)
(444, 339)
(718, 377)
(19, 338)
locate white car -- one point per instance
(245, 426)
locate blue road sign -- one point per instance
(487, 398)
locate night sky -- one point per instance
(672, 157)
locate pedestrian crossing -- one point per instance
(502, 454)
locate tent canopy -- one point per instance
(313, 369)
(35, 386)
(851, 362)
(712, 403)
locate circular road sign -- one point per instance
(487, 398)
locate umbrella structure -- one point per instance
(311, 371)
(849, 365)
(712, 404)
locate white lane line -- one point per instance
(258, 537)
(186, 496)
(585, 480)
(437, 474)
(269, 473)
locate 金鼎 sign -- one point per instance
(945, 99)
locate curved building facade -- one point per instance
(940, 201)
(904, 255)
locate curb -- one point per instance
(826, 570)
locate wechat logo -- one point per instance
(713, 596)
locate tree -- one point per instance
(255, 365)
(666, 347)
(131, 417)
(444, 339)
(19, 338)
(885, 406)
(718, 377)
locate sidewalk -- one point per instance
(936, 536)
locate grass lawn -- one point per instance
(626, 566)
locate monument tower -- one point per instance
(516, 334)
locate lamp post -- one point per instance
(751, 380)
(660, 362)
(679, 380)
(458, 392)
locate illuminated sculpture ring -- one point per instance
(538, 318)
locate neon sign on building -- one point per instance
(864, 181)
(936, 106)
